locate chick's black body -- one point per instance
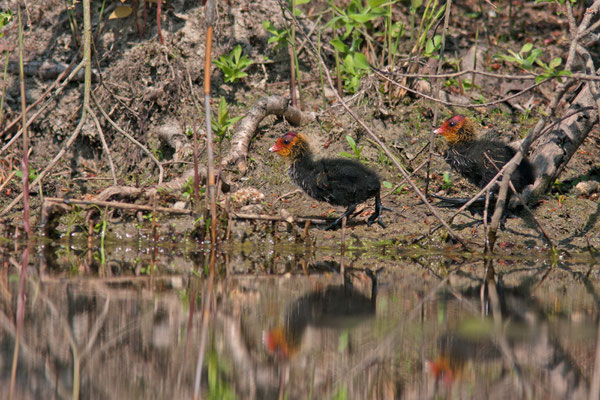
(472, 161)
(337, 181)
(480, 158)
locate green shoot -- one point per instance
(356, 151)
(222, 123)
(233, 64)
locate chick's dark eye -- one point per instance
(452, 124)
(286, 141)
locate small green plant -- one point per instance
(353, 67)
(280, 36)
(188, 189)
(222, 123)
(357, 16)
(446, 181)
(33, 174)
(5, 18)
(356, 151)
(432, 47)
(528, 58)
(525, 58)
(233, 64)
(431, 15)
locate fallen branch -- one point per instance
(116, 204)
(290, 219)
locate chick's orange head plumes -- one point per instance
(456, 129)
(285, 144)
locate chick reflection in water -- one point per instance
(334, 307)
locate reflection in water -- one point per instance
(420, 330)
(334, 306)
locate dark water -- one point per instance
(282, 322)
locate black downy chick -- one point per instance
(337, 181)
(478, 159)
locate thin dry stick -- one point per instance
(158, 25)
(118, 204)
(25, 135)
(131, 138)
(196, 177)
(468, 105)
(437, 93)
(211, 195)
(7, 181)
(482, 73)
(288, 219)
(380, 143)
(104, 145)
(4, 76)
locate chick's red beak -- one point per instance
(275, 148)
(438, 131)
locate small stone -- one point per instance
(180, 205)
(586, 188)
(247, 195)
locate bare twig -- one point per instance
(525, 77)
(25, 164)
(116, 204)
(436, 91)
(467, 105)
(104, 145)
(211, 187)
(131, 138)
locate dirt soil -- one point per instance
(145, 88)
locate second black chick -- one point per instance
(478, 159)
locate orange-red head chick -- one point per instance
(457, 130)
(291, 144)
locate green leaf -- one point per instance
(361, 18)
(237, 52)
(346, 154)
(415, 4)
(360, 60)
(387, 185)
(375, 3)
(351, 142)
(339, 45)
(555, 62)
(526, 48)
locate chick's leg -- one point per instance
(338, 221)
